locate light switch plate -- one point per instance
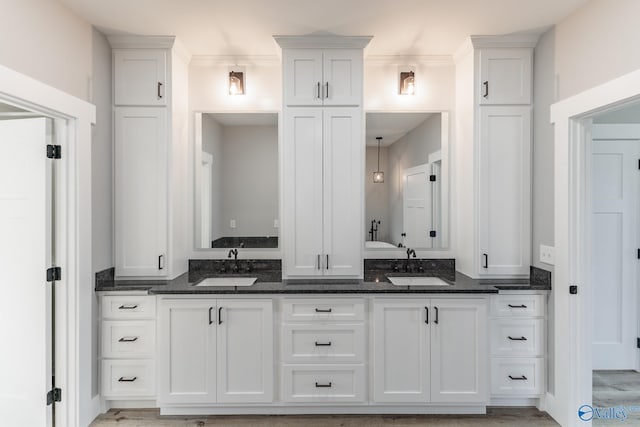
(276, 223)
(548, 254)
(232, 223)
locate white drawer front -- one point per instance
(128, 307)
(517, 337)
(323, 343)
(323, 309)
(128, 378)
(128, 339)
(517, 377)
(319, 384)
(518, 305)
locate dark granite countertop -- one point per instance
(185, 284)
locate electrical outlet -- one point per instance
(232, 223)
(276, 223)
(547, 254)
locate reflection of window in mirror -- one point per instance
(237, 184)
(407, 209)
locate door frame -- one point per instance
(73, 118)
(572, 314)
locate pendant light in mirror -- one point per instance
(378, 175)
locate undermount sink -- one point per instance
(228, 281)
(417, 281)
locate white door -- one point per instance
(303, 85)
(504, 191)
(303, 192)
(140, 191)
(614, 252)
(25, 314)
(458, 351)
(417, 206)
(401, 350)
(245, 351)
(140, 77)
(342, 73)
(505, 76)
(206, 180)
(342, 191)
(187, 351)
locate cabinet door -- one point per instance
(187, 351)
(140, 191)
(504, 190)
(505, 76)
(400, 350)
(245, 351)
(342, 73)
(342, 191)
(458, 350)
(140, 77)
(303, 192)
(303, 85)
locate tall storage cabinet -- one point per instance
(495, 181)
(148, 140)
(323, 161)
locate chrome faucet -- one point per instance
(233, 252)
(409, 253)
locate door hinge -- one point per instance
(54, 395)
(54, 151)
(638, 253)
(573, 289)
(432, 233)
(53, 274)
(432, 178)
(638, 342)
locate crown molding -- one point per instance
(465, 49)
(322, 41)
(141, 42)
(529, 40)
(428, 60)
(221, 60)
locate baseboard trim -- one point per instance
(274, 409)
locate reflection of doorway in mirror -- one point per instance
(417, 206)
(205, 200)
(435, 181)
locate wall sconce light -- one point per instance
(407, 83)
(236, 83)
(378, 175)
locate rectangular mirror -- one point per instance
(236, 180)
(407, 181)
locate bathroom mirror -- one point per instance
(236, 180)
(406, 181)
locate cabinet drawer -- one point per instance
(319, 384)
(517, 337)
(321, 310)
(323, 343)
(128, 378)
(128, 339)
(518, 305)
(128, 307)
(517, 377)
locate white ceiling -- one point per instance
(245, 27)
(391, 126)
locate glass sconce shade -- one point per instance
(407, 83)
(236, 83)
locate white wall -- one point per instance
(595, 44)
(45, 40)
(250, 180)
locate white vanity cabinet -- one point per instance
(505, 76)
(322, 191)
(215, 351)
(140, 77)
(148, 142)
(316, 77)
(494, 159)
(429, 350)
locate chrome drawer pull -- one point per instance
(318, 385)
(323, 344)
(128, 307)
(128, 339)
(517, 339)
(517, 306)
(127, 380)
(322, 310)
(522, 378)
